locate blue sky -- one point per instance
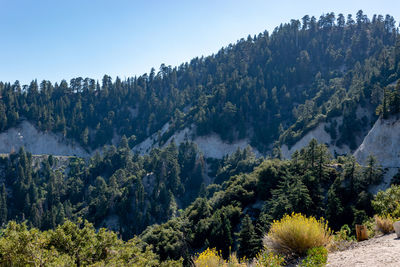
(54, 39)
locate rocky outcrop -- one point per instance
(37, 142)
(382, 141)
(321, 136)
(212, 146)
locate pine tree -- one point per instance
(397, 51)
(291, 195)
(334, 207)
(384, 111)
(395, 105)
(373, 173)
(3, 205)
(249, 243)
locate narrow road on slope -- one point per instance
(375, 252)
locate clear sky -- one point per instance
(60, 39)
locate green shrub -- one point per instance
(371, 227)
(388, 202)
(267, 258)
(295, 234)
(342, 239)
(73, 244)
(316, 257)
(344, 234)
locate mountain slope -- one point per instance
(328, 78)
(267, 88)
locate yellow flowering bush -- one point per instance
(212, 258)
(294, 234)
(209, 258)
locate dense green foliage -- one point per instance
(134, 192)
(111, 190)
(391, 101)
(268, 87)
(271, 88)
(316, 257)
(387, 203)
(310, 183)
(249, 244)
(73, 245)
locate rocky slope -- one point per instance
(379, 252)
(321, 136)
(37, 142)
(382, 141)
(212, 146)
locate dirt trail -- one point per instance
(376, 252)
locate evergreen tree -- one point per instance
(249, 243)
(385, 113)
(395, 103)
(373, 173)
(3, 205)
(334, 208)
(290, 196)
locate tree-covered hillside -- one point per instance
(269, 87)
(163, 198)
(117, 190)
(311, 183)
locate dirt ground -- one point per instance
(376, 252)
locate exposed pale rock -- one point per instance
(321, 136)
(37, 142)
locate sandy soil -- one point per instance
(376, 252)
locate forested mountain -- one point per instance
(271, 89)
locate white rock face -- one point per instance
(212, 146)
(150, 142)
(36, 142)
(321, 136)
(382, 141)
